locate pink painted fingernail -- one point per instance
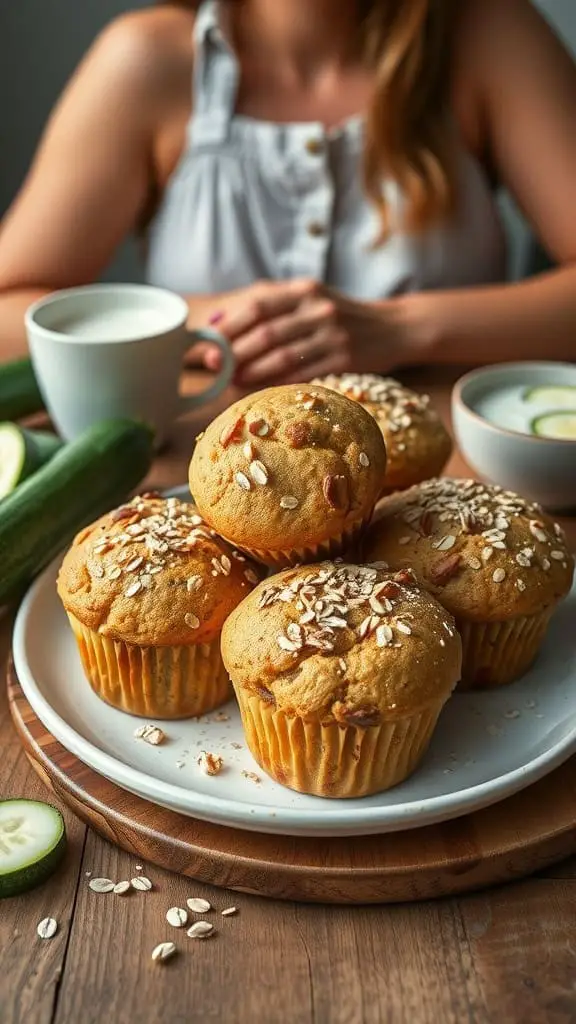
(213, 360)
(215, 318)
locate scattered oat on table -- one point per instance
(252, 776)
(163, 951)
(121, 888)
(229, 911)
(101, 885)
(198, 905)
(200, 930)
(177, 917)
(47, 928)
(141, 883)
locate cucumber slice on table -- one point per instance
(561, 425)
(555, 396)
(22, 452)
(32, 844)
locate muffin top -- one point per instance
(486, 553)
(413, 431)
(333, 642)
(153, 573)
(287, 467)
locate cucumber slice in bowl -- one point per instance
(555, 396)
(32, 844)
(559, 425)
(22, 452)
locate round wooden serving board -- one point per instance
(513, 838)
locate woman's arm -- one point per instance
(94, 171)
(524, 85)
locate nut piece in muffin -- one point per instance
(498, 563)
(418, 445)
(341, 672)
(289, 474)
(147, 589)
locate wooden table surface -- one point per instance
(505, 955)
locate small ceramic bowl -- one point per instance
(542, 469)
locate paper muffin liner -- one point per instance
(333, 760)
(496, 653)
(153, 682)
(328, 549)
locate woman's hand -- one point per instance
(292, 331)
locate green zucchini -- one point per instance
(19, 392)
(32, 844)
(560, 425)
(555, 396)
(22, 453)
(85, 478)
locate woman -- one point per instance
(323, 192)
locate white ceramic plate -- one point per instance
(486, 747)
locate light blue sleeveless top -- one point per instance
(253, 199)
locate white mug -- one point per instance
(109, 350)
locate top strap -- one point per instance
(215, 80)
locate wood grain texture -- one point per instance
(33, 967)
(509, 840)
(504, 957)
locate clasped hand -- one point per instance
(287, 332)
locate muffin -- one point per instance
(341, 672)
(289, 475)
(146, 589)
(418, 445)
(496, 562)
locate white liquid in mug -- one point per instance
(113, 324)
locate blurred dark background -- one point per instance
(41, 41)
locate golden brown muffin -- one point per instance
(499, 564)
(418, 445)
(147, 589)
(341, 672)
(289, 474)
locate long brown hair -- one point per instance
(409, 136)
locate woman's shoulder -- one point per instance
(166, 25)
(155, 45)
(484, 27)
(490, 39)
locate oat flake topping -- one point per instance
(469, 507)
(394, 403)
(325, 597)
(151, 536)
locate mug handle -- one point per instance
(224, 378)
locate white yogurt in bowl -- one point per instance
(548, 410)
(515, 424)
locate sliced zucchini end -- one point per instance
(559, 425)
(32, 844)
(555, 396)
